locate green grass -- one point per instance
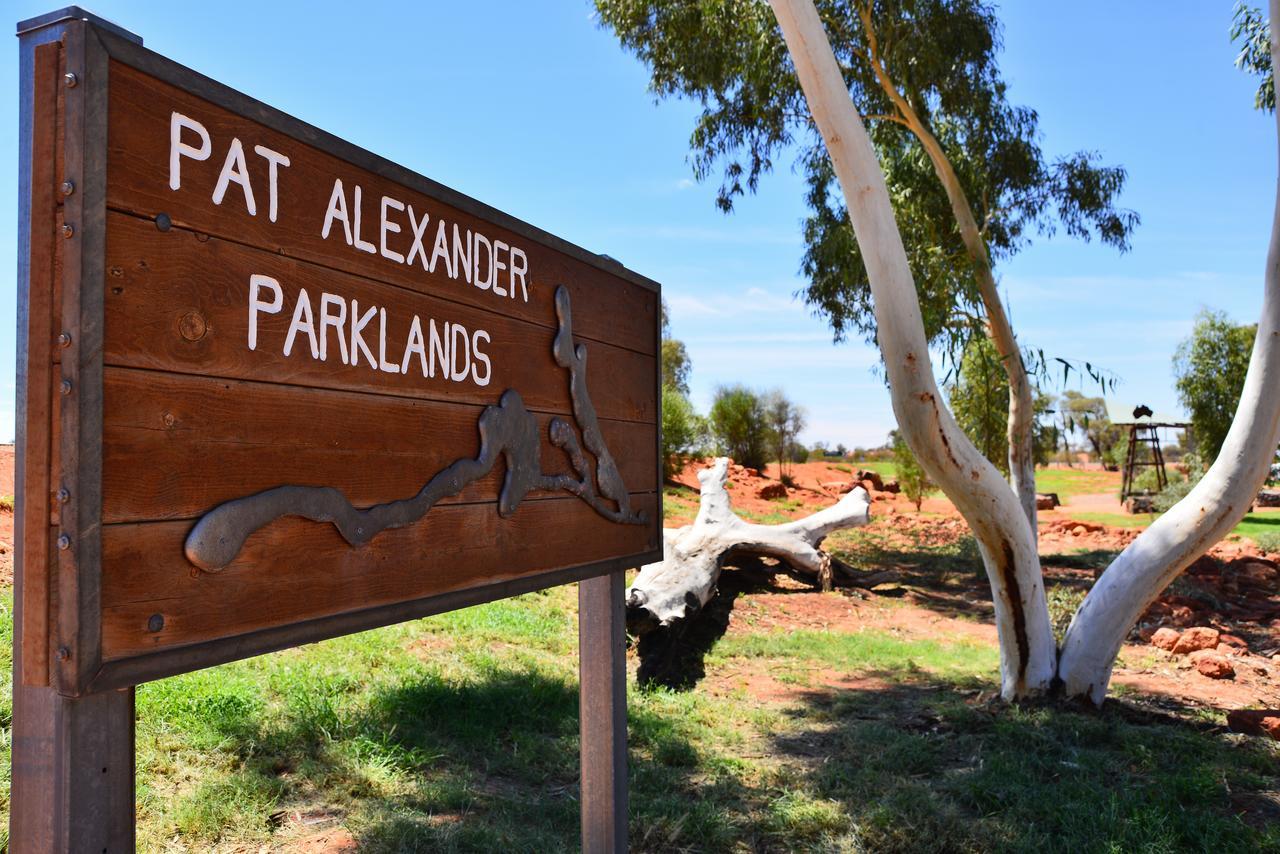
(883, 654)
(1067, 482)
(887, 469)
(459, 733)
(1115, 520)
(1253, 524)
(679, 501)
(1259, 522)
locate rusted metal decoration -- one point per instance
(272, 389)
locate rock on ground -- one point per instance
(1195, 639)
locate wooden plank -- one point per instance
(73, 768)
(610, 309)
(176, 446)
(73, 771)
(36, 491)
(176, 302)
(452, 547)
(602, 713)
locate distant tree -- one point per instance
(785, 420)
(675, 365)
(1253, 32)
(1088, 417)
(912, 479)
(739, 425)
(968, 180)
(979, 398)
(683, 431)
(1209, 369)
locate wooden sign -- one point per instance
(279, 389)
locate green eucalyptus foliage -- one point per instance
(729, 57)
(979, 399)
(1209, 370)
(1253, 32)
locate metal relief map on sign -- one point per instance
(304, 391)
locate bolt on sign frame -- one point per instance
(272, 389)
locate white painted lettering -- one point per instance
(519, 270)
(482, 283)
(389, 227)
(302, 322)
(235, 169)
(274, 161)
(256, 283)
(358, 344)
(480, 357)
(459, 333)
(383, 364)
(440, 350)
(179, 149)
(418, 228)
(337, 211)
(498, 266)
(442, 250)
(362, 245)
(337, 320)
(415, 345)
(461, 263)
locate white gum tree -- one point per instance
(1030, 663)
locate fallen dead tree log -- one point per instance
(685, 580)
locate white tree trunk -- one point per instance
(686, 578)
(993, 512)
(1028, 656)
(1021, 421)
(1216, 504)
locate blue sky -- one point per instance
(532, 108)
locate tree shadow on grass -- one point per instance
(490, 763)
(925, 766)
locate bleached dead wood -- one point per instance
(686, 578)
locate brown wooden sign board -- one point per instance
(278, 389)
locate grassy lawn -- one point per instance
(1115, 520)
(1076, 481)
(885, 468)
(1262, 521)
(459, 733)
(1258, 522)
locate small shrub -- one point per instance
(1174, 492)
(787, 480)
(1147, 482)
(1064, 601)
(6, 503)
(911, 476)
(1268, 541)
